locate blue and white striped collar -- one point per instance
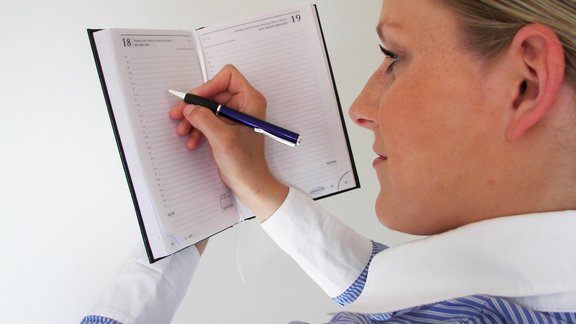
(530, 259)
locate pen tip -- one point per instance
(178, 94)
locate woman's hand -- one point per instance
(201, 246)
(237, 149)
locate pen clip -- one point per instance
(274, 137)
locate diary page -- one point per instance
(283, 55)
(181, 188)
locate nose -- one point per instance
(364, 109)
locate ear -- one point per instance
(539, 60)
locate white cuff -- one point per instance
(331, 253)
(148, 293)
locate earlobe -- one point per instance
(540, 58)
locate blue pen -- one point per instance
(279, 134)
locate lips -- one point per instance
(380, 153)
(381, 158)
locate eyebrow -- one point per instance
(387, 24)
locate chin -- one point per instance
(406, 221)
(391, 218)
(422, 224)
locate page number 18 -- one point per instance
(126, 42)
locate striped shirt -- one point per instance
(95, 319)
(472, 309)
(466, 310)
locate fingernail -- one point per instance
(188, 109)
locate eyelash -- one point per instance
(391, 55)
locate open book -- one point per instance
(178, 194)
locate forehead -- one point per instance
(415, 18)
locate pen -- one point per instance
(277, 133)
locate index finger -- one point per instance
(227, 80)
(231, 88)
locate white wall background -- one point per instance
(66, 217)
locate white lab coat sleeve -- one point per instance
(148, 293)
(331, 253)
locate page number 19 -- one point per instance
(296, 18)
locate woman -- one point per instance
(474, 116)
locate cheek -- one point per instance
(431, 135)
(407, 120)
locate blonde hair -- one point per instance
(490, 25)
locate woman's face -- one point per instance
(434, 117)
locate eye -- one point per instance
(389, 55)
